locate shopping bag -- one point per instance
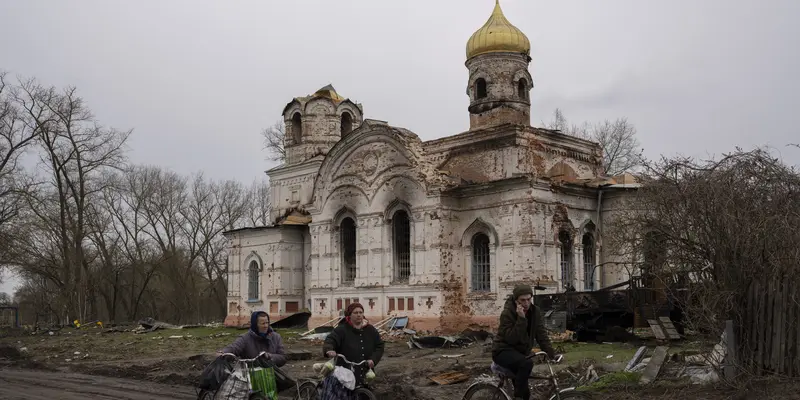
(236, 387)
(215, 373)
(263, 380)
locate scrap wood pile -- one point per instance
(465, 339)
(391, 326)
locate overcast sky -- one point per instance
(197, 80)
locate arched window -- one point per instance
(522, 88)
(480, 88)
(347, 230)
(252, 281)
(297, 128)
(588, 261)
(401, 246)
(481, 263)
(347, 123)
(565, 241)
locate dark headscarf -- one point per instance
(254, 323)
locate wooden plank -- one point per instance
(669, 328)
(449, 378)
(761, 340)
(783, 329)
(771, 325)
(752, 313)
(636, 358)
(729, 369)
(797, 333)
(654, 366)
(656, 329)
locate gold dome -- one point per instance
(497, 34)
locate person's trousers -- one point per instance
(521, 366)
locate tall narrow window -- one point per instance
(252, 281)
(348, 243)
(566, 258)
(297, 128)
(347, 123)
(481, 266)
(401, 235)
(588, 261)
(522, 89)
(480, 88)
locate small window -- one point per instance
(347, 123)
(401, 233)
(348, 245)
(588, 261)
(481, 266)
(566, 258)
(480, 88)
(522, 89)
(295, 196)
(252, 280)
(297, 128)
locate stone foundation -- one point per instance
(432, 324)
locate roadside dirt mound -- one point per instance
(11, 356)
(10, 353)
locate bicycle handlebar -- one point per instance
(244, 359)
(348, 361)
(557, 359)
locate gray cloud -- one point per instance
(197, 80)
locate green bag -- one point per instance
(263, 380)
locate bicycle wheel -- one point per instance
(485, 391)
(364, 394)
(571, 394)
(306, 391)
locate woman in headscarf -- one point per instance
(357, 340)
(260, 337)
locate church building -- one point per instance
(439, 231)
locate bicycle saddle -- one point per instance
(501, 370)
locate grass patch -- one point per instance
(93, 345)
(576, 353)
(613, 381)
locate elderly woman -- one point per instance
(357, 340)
(259, 338)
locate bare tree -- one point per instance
(621, 151)
(5, 299)
(723, 232)
(259, 203)
(75, 151)
(15, 137)
(273, 141)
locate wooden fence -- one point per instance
(768, 335)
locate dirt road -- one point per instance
(18, 384)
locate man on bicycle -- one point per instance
(259, 338)
(521, 322)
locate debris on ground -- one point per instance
(297, 320)
(449, 378)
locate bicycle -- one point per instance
(497, 391)
(204, 394)
(308, 390)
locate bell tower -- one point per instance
(317, 122)
(498, 55)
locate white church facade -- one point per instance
(439, 231)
